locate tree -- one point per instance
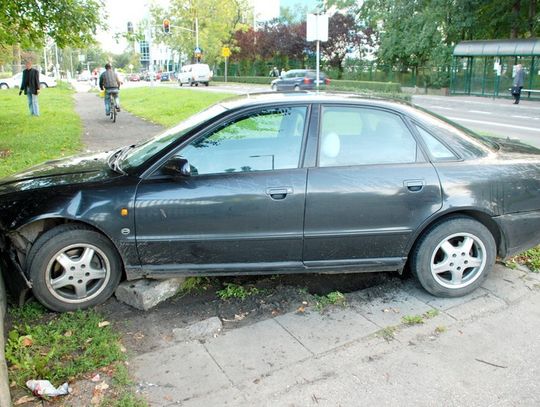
(218, 22)
(68, 22)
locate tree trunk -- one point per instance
(516, 8)
(532, 16)
(16, 65)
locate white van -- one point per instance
(194, 74)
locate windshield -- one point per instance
(147, 149)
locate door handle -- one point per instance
(414, 185)
(279, 192)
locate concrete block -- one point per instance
(145, 294)
(250, 352)
(200, 330)
(183, 371)
(321, 333)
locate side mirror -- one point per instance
(177, 167)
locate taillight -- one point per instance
(327, 81)
(307, 81)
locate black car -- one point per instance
(274, 183)
(300, 79)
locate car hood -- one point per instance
(71, 170)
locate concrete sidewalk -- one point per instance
(478, 350)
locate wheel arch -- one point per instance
(482, 217)
(26, 235)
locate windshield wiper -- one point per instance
(114, 160)
(121, 157)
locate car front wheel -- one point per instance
(43, 85)
(72, 267)
(454, 257)
(274, 87)
(4, 86)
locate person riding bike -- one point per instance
(110, 81)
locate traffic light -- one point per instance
(166, 26)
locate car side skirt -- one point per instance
(227, 269)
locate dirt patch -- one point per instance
(5, 153)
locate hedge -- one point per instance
(335, 84)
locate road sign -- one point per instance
(198, 50)
(317, 27)
(225, 52)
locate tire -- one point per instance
(296, 88)
(180, 83)
(454, 257)
(274, 87)
(4, 86)
(43, 85)
(86, 253)
(206, 84)
(190, 83)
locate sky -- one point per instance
(119, 15)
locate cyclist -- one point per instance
(110, 81)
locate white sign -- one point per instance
(82, 58)
(317, 27)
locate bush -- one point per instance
(335, 84)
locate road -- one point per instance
(494, 117)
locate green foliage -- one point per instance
(529, 258)
(388, 333)
(167, 106)
(27, 313)
(382, 87)
(66, 346)
(412, 319)
(263, 80)
(333, 298)
(432, 313)
(195, 284)
(232, 290)
(68, 22)
(125, 399)
(28, 140)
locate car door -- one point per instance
(243, 205)
(369, 192)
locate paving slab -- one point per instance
(322, 332)
(177, 373)
(388, 311)
(476, 307)
(250, 352)
(507, 284)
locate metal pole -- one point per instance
(226, 59)
(317, 66)
(197, 32)
(45, 57)
(57, 73)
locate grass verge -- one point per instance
(27, 140)
(529, 258)
(58, 347)
(167, 106)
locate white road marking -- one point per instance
(523, 117)
(441, 107)
(511, 126)
(479, 111)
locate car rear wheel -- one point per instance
(454, 257)
(43, 85)
(296, 88)
(274, 87)
(72, 267)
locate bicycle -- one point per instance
(113, 95)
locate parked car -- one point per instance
(167, 76)
(134, 77)
(195, 74)
(274, 183)
(300, 79)
(15, 81)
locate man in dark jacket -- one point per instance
(518, 83)
(110, 81)
(30, 87)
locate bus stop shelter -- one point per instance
(487, 68)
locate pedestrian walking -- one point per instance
(30, 87)
(517, 85)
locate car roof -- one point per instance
(268, 98)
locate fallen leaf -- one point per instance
(300, 310)
(95, 378)
(68, 334)
(25, 399)
(123, 349)
(103, 323)
(26, 341)
(89, 340)
(275, 312)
